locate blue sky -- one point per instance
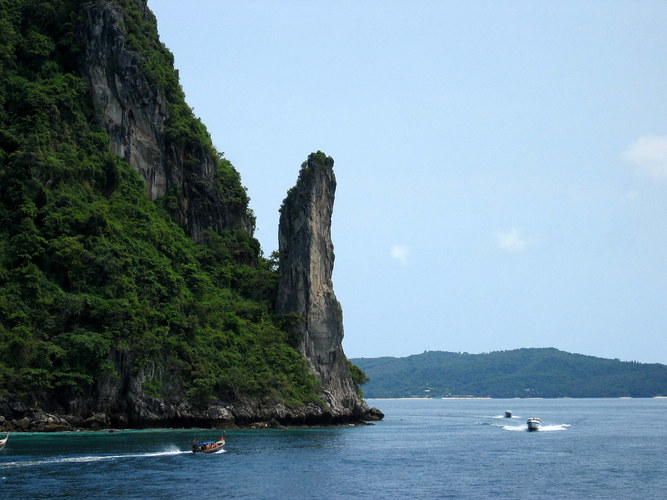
(501, 165)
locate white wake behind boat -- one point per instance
(534, 424)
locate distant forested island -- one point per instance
(522, 373)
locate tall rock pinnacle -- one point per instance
(306, 265)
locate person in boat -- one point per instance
(197, 445)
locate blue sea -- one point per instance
(430, 448)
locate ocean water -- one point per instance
(587, 448)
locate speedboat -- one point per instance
(208, 446)
(508, 413)
(3, 442)
(534, 424)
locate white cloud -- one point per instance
(512, 241)
(649, 155)
(400, 253)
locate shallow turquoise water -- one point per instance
(609, 448)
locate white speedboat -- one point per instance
(534, 424)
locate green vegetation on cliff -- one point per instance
(95, 278)
(522, 373)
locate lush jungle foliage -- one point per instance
(94, 276)
(547, 373)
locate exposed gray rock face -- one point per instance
(135, 114)
(306, 289)
(306, 266)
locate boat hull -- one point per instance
(213, 450)
(208, 446)
(3, 441)
(534, 424)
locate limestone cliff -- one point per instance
(142, 328)
(306, 289)
(135, 111)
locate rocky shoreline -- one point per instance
(15, 416)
